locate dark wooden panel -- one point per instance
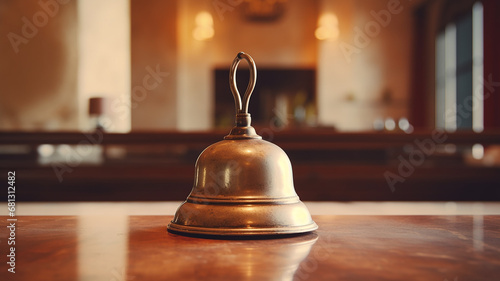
(327, 166)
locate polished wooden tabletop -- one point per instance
(345, 247)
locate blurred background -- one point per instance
(346, 88)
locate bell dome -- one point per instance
(251, 169)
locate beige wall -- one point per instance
(195, 101)
(38, 76)
(153, 49)
(38, 84)
(350, 92)
(287, 42)
(104, 61)
(355, 74)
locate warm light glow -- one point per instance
(204, 26)
(390, 124)
(203, 33)
(45, 150)
(405, 125)
(326, 33)
(204, 18)
(478, 151)
(328, 28)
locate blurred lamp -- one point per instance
(204, 29)
(328, 27)
(97, 111)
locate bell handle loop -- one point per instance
(242, 108)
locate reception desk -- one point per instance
(355, 241)
(370, 166)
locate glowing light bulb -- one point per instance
(204, 26)
(328, 28)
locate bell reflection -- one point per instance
(268, 259)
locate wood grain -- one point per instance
(343, 248)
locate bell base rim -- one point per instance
(240, 231)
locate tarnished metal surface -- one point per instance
(243, 185)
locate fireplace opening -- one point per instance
(282, 98)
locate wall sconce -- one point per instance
(328, 27)
(204, 29)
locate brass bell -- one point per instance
(243, 185)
